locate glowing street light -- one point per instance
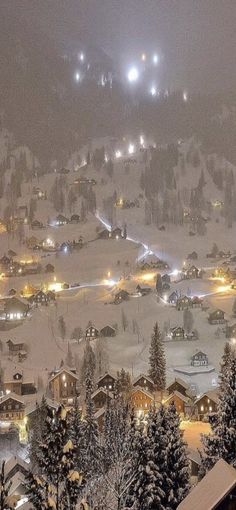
(81, 57)
(155, 59)
(153, 91)
(133, 74)
(131, 148)
(77, 77)
(141, 139)
(144, 57)
(118, 154)
(185, 96)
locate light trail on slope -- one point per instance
(103, 221)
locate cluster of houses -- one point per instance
(115, 233)
(48, 245)
(10, 267)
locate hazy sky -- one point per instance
(197, 38)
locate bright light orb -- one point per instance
(77, 77)
(141, 139)
(155, 59)
(118, 154)
(153, 91)
(81, 57)
(133, 74)
(143, 57)
(131, 148)
(185, 96)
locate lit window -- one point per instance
(110, 387)
(144, 381)
(202, 408)
(63, 377)
(208, 401)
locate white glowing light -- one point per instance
(153, 91)
(165, 297)
(185, 96)
(106, 158)
(77, 77)
(155, 59)
(143, 57)
(133, 74)
(141, 139)
(81, 57)
(118, 154)
(131, 148)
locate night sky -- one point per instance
(196, 38)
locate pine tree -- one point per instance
(221, 443)
(91, 445)
(5, 499)
(157, 361)
(38, 430)
(62, 327)
(159, 284)
(57, 483)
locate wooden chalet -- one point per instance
(40, 298)
(143, 291)
(192, 272)
(14, 309)
(197, 302)
(15, 348)
(104, 234)
(145, 382)
(217, 317)
(178, 385)
(63, 385)
(173, 298)
(18, 384)
(183, 303)
(206, 405)
(12, 408)
(61, 220)
(91, 333)
(107, 382)
(216, 491)
(182, 402)
(121, 295)
(75, 218)
(199, 359)
(36, 224)
(107, 331)
(141, 400)
(177, 333)
(100, 398)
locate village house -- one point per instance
(116, 233)
(217, 317)
(145, 382)
(180, 386)
(36, 224)
(177, 333)
(40, 298)
(192, 256)
(39, 193)
(12, 292)
(197, 302)
(51, 295)
(200, 359)
(192, 272)
(63, 385)
(49, 268)
(61, 220)
(14, 348)
(15, 382)
(107, 382)
(5, 262)
(100, 398)
(121, 295)
(91, 333)
(14, 309)
(104, 234)
(143, 291)
(206, 405)
(12, 408)
(173, 298)
(32, 241)
(216, 490)
(183, 303)
(107, 331)
(141, 401)
(31, 410)
(75, 218)
(182, 402)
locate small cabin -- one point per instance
(143, 291)
(40, 298)
(36, 224)
(178, 385)
(145, 382)
(173, 298)
(121, 295)
(197, 302)
(177, 333)
(61, 220)
(108, 331)
(217, 317)
(15, 347)
(183, 303)
(91, 333)
(182, 402)
(100, 397)
(75, 218)
(141, 400)
(12, 408)
(191, 273)
(206, 405)
(200, 359)
(107, 382)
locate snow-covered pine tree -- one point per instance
(221, 443)
(77, 434)
(4, 490)
(157, 361)
(177, 465)
(57, 481)
(91, 443)
(37, 431)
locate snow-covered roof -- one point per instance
(212, 395)
(212, 489)
(138, 388)
(179, 381)
(64, 369)
(101, 390)
(144, 376)
(12, 395)
(179, 395)
(107, 374)
(12, 462)
(31, 407)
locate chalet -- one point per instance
(231, 331)
(216, 491)
(206, 405)
(107, 382)
(12, 408)
(200, 359)
(173, 298)
(217, 317)
(145, 382)
(143, 291)
(108, 331)
(104, 234)
(51, 296)
(141, 400)
(5, 262)
(116, 233)
(32, 241)
(18, 384)
(178, 385)
(177, 333)
(91, 333)
(75, 218)
(39, 193)
(40, 298)
(36, 224)
(12, 292)
(31, 410)
(61, 220)
(100, 397)
(182, 402)
(165, 278)
(192, 256)
(197, 302)
(14, 348)
(63, 385)
(49, 268)
(14, 309)
(183, 303)
(192, 272)
(121, 295)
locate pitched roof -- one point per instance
(64, 369)
(212, 395)
(12, 462)
(212, 489)
(179, 381)
(101, 390)
(145, 377)
(105, 375)
(179, 395)
(138, 388)
(12, 395)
